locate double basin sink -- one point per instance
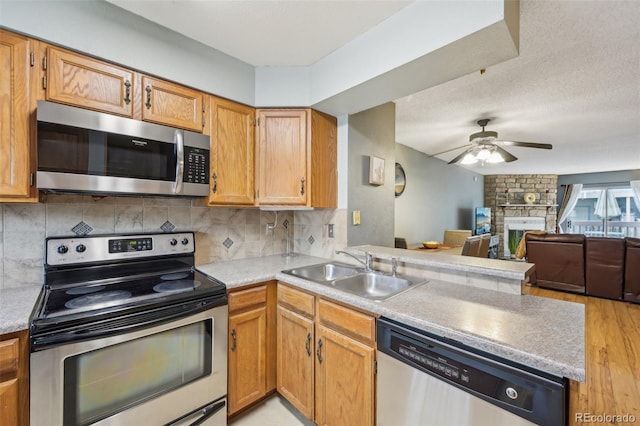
(369, 284)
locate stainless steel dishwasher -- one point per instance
(424, 380)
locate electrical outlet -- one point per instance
(356, 217)
(330, 231)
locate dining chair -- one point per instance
(455, 237)
(471, 246)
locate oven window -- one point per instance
(101, 383)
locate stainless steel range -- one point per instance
(127, 332)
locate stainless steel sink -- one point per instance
(323, 272)
(371, 285)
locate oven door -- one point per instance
(165, 374)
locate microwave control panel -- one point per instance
(196, 165)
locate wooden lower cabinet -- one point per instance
(14, 379)
(251, 345)
(326, 358)
(345, 391)
(296, 360)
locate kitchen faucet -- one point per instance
(368, 259)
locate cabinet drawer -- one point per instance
(297, 300)
(244, 298)
(9, 358)
(353, 323)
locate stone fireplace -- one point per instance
(504, 194)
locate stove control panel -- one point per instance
(105, 248)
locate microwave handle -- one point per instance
(179, 138)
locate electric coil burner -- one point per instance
(130, 313)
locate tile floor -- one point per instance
(275, 411)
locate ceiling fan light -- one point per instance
(469, 158)
(483, 154)
(495, 157)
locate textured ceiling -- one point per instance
(575, 83)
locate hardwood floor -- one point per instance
(612, 387)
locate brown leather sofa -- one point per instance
(605, 263)
(559, 260)
(602, 267)
(632, 270)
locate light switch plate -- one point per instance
(330, 230)
(356, 217)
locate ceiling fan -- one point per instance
(485, 147)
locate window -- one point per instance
(605, 211)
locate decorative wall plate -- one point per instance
(529, 198)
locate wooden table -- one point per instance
(441, 248)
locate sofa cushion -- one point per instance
(632, 270)
(559, 260)
(605, 267)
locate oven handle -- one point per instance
(205, 411)
(86, 332)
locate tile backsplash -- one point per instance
(221, 233)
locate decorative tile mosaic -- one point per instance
(167, 226)
(228, 242)
(82, 228)
(311, 239)
(286, 223)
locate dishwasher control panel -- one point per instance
(451, 367)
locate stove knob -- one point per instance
(81, 248)
(62, 249)
(173, 242)
(185, 241)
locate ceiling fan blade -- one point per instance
(507, 156)
(527, 144)
(459, 157)
(449, 150)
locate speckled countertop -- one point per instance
(493, 267)
(16, 305)
(516, 327)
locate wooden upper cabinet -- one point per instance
(85, 82)
(297, 158)
(17, 135)
(232, 179)
(172, 104)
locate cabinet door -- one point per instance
(344, 380)
(172, 104)
(14, 379)
(295, 360)
(232, 153)
(88, 83)
(16, 142)
(283, 157)
(247, 358)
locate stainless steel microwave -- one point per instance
(87, 151)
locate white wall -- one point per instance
(437, 196)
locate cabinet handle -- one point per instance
(308, 344)
(148, 90)
(127, 92)
(301, 186)
(215, 183)
(233, 336)
(319, 351)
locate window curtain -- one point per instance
(635, 186)
(569, 201)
